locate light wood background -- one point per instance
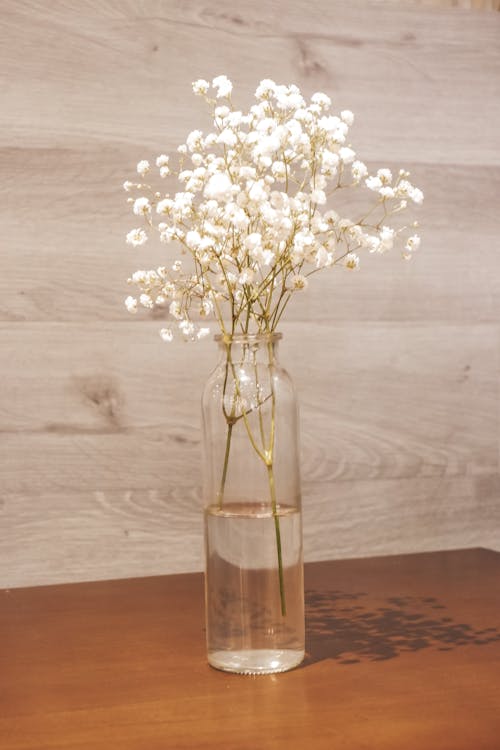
(397, 366)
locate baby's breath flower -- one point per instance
(318, 196)
(253, 214)
(417, 195)
(136, 237)
(131, 304)
(175, 309)
(412, 244)
(228, 137)
(351, 261)
(164, 207)
(373, 183)
(265, 88)
(166, 334)
(142, 206)
(322, 100)
(297, 282)
(347, 116)
(187, 327)
(386, 239)
(347, 154)
(385, 176)
(200, 86)
(143, 167)
(359, 170)
(218, 187)
(223, 86)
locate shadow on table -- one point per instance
(340, 626)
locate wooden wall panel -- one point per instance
(396, 366)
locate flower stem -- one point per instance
(226, 464)
(272, 488)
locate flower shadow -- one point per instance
(341, 626)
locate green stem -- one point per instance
(226, 464)
(272, 488)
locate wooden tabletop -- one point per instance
(403, 653)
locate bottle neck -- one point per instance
(249, 347)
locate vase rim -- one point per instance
(248, 338)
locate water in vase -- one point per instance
(248, 630)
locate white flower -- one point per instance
(127, 186)
(137, 237)
(265, 88)
(193, 141)
(175, 309)
(143, 167)
(142, 206)
(359, 170)
(318, 196)
(200, 86)
(387, 192)
(347, 154)
(297, 282)
(323, 258)
(162, 161)
(221, 112)
(386, 236)
(167, 334)
(207, 307)
(164, 206)
(322, 100)
(253, 241)
(223, 86)
(279, 170)
(412, 243)
(246, 276)
(257, 191)
(227, 137)
(218, 187)
(373, 183)
(202, 333)
(417, 195)
(351, 261)
(131, 304)
(146, 300)
(330, 161)
(187, 327)
(385, 176)
(193, 239)
(347, 116)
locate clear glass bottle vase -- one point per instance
(253, 525)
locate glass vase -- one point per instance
(254, 590)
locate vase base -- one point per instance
(256, 661)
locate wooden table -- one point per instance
(403, 653)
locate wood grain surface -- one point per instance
(397, 366)
(402, 652)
